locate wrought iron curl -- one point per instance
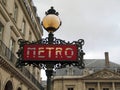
(80, 64)
(21, 43)
(55, 41)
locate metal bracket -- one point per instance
(80, 64)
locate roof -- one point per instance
(91, 64)
(99, 63)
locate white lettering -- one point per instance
(49, 51)
(31, 50)
(70, 54)
(58, 52)
(40, 51)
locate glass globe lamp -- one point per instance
(51, 22)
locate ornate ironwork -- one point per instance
(52, 11)
(47, 65)
(80, 64)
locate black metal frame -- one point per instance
(49, 66)
(51, 40)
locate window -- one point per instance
(70, 89)
(38, 75)
(1, 31)
(19, 88)
(33, 70)
(91, 89)
(15, 12)
(23, 27)
(105, 88)
(30, 36)
(69, 71)
(12, 45)
(118, 70)
(4, 2)
(8, 86)
(12, 49)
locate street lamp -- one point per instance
(51, 22)
(50, 53)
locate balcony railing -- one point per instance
(6, 53)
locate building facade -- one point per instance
(99, 74)
(18, 20)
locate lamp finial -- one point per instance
(52, 11)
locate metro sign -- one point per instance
(38, 52)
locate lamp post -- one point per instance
(51, 22)
(50, 53)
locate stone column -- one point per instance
(98, 85)
(113, 85)
(84, 86)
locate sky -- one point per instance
(95, 21)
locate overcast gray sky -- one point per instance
(95, 21)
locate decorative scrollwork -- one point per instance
(52, 40)
(55, 41)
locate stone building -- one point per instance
(99, 74)
(18, 20)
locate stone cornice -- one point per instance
(6, 65)
(100, 75)
(37, 33)
(103, 75)
(66, 77)
(2, 12)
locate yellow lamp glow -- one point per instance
(51, 22)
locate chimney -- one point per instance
(107, 59)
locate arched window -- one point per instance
(8, 86)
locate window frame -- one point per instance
(1, 31)
(70, 88)
(15, 12)
(91, 88)
(30, 36)
(23, 26)
(105, 89)
(4, 2)
(118, 70)
(12, 45)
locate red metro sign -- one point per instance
(37, 52)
